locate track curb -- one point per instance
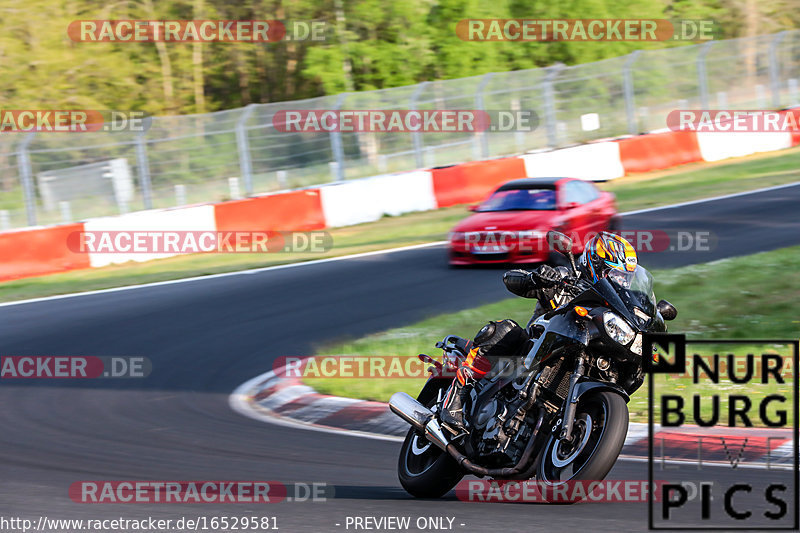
(287, 401)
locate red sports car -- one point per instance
(510, 226)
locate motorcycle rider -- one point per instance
(602, 254)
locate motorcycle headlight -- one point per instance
(636, 347)
(617, 328)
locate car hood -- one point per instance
(509, 221)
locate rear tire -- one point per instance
(424, 470)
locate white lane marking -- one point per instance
(636, 432)
(356, 256)
(225, 274)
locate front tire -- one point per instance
(601, 424)
(424, 470)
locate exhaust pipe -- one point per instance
(423, 420)
(434, 434)
(420, 417)
(410, 410)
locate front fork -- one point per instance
(571, 403)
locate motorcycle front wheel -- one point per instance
(601, 424)
(424, 470)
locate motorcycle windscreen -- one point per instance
(628, 292)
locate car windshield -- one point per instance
(635, 288)
(520, 200)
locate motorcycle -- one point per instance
(557, 411)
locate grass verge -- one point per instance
(633, 192)
(755, 296)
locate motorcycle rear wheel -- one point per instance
(424, 470)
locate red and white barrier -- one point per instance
(284, 211)
(198, 218)
(367, 200)
(474, 181)
(594, 162)
(657, 151)
(40, 251)
(717, 146)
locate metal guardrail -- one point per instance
(216, 156)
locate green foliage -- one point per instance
(371, 44)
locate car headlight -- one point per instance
(617, 328)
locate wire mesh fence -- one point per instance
(229, 154)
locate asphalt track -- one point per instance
(208, 336)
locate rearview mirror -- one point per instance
(667, 310)
(559, 242)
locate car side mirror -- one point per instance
(473, 208)
(667, 310)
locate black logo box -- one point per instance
(678, 344)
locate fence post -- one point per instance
(793, 85)
(26, 175)
(243, 147)
(336, 144)
(774, 76)
(144, 171)
(702, 78)
(66, 211)
(627, 85)
(233, 188)
(416, 136)
(550, 104)
(180, 195)
(479, 104)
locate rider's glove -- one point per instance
(546, 276)
(521, 283)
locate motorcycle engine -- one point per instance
(493, 438)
